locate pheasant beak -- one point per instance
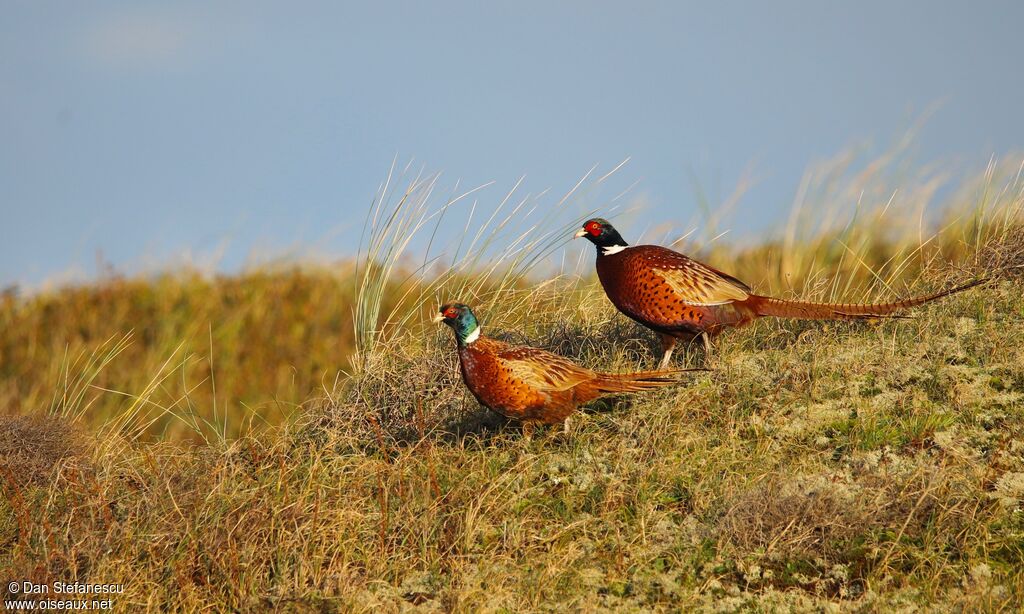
(438, 318)
(582, 232)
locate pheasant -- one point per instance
(680, 298)
(529, 384)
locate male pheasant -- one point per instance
(680, 298)
(529, 384)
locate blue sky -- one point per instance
(144, 131)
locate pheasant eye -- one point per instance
(594, 228)
(451, 312)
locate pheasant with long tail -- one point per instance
(681, 298)
(530, 384)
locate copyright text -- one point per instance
(26, 596)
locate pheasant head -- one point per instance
(461, 320)
(603, 235)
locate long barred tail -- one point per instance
(610, 383)
(767, 306)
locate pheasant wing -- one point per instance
(544, 371)
(692, 282)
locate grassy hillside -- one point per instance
(263, 341)
(858, 466)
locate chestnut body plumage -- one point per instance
(681, 298)
(530, 384)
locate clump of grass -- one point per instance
(795, 517)
(486, 264)
(33, 447)
(400, 399)
(1004, 258)
(833, 533)
(405, 382)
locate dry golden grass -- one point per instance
(821, 466)
(250, 347)
(32, 447)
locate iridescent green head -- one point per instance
(461, 320)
